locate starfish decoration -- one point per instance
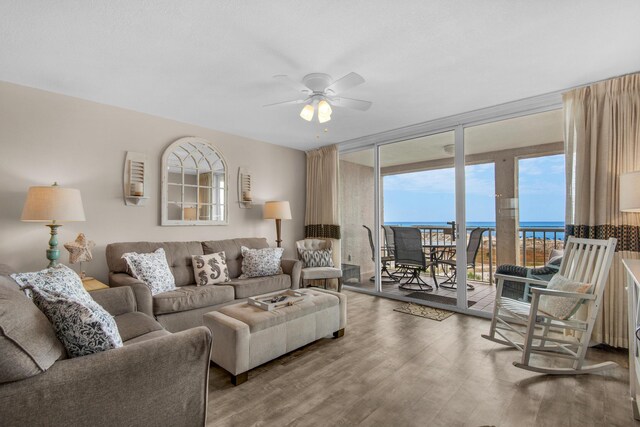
(80, 249)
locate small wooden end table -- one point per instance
(91, 284)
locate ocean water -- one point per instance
(523, 224)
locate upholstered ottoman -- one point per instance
(245, 336)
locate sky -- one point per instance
(428, 196)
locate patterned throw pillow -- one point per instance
(319, 258)
(260, 262)
(210, 269)
(560, 307)
(152, 269)
(80, 323)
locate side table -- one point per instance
(91, 284)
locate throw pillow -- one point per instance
(318, 258)
(152, 269)
(210, 269)
(560, 307)
(80, 323)
(260, 262)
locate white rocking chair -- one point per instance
(522, 326)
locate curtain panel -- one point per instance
(322, 217)
(602, 141)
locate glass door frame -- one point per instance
(457, 124)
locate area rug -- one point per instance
(423, 311)
(440, 299)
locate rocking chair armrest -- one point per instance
(564, 294)
(521, 279)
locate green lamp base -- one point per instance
(53, 253)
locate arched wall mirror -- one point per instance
(194, 184)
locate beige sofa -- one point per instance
(184, 307)
(156, 378)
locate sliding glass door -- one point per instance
(429, 219)
(417, 215)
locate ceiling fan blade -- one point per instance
(356, 104)
(293, 84)
(347, 82)
(295, 101)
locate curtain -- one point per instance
(322, 215)
(602, 141)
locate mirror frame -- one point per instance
(165, 221)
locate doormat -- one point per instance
(423, 311)
(440, 299)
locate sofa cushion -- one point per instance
(178, 256)
(315, 273)
(245, 288)
(134, 324)
(81, 324)
(191, 297)
(210, 269)
(231, 248)
(152, 268)
(261, 262)
(28, 343)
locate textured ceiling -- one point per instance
(211, 62)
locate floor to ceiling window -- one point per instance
(473, 195)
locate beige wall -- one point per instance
(45, 137)
(356, 209)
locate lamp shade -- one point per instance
(630, 192)
(277, 210)
(54, 203)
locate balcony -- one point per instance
(535, 245)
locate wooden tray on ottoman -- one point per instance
(264, 302)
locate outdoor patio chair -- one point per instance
(385, 275)
(473, 245)
(389, 245)
(410, 256)
(562, 330)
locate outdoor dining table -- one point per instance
(435, 249)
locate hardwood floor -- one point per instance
(394, 369)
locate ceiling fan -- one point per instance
(321, 91)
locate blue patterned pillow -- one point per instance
(261, 262)
(80, 323)
(317, 258)
(210, 269)
(152, 269)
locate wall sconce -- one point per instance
(135, 178)
(245, 198)
(508, 207)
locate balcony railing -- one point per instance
(485, 260)
(537, 242)
(535, 245)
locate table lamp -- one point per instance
(629, 192)
(53, 204)
(277, 210)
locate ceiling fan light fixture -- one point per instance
(322, 118)
(307, 112)
(324, 108)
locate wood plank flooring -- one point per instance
(394, 369)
